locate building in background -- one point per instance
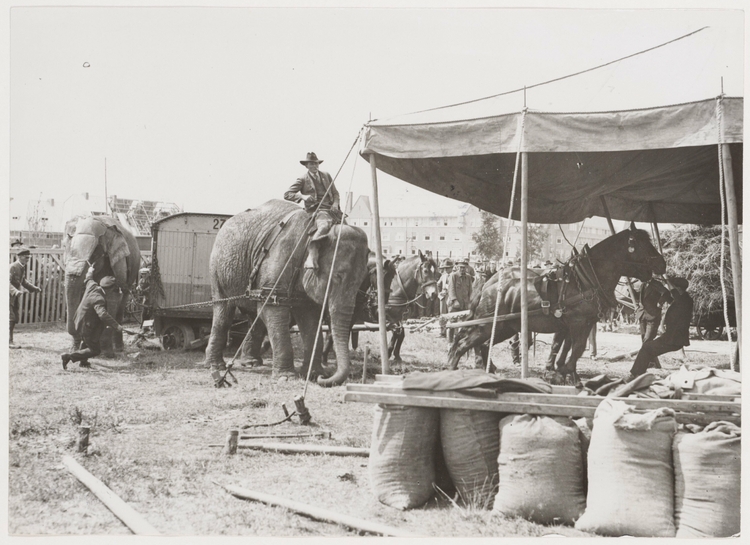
(40, 222)
(406, 228)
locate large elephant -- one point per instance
(250, 242)
(101, 242)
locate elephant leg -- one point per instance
(307, 322)
(222, 319)
(252, 346)
(327, 347)
(277, 320)
(355, 339)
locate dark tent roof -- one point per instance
(655, 164)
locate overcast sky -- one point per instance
(213, 108)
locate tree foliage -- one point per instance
(694, 252)
(488, 240)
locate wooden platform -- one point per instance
(563, 401)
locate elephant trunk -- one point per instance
(340, 327)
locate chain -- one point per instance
(208, 303)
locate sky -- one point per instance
(213, 108)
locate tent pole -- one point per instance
(524, 265)
(379, 266)
(612, 228)
(734, 245)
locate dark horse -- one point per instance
(583, 291)
(415, 276)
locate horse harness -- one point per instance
(578, 268)
(420, 290)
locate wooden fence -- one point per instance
(45, 270)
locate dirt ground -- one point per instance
(154, 416)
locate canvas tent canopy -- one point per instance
(657, 164)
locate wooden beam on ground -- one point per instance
(129, 516)
(296, 448)
(317, 513)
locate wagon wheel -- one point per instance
(711, 333)
(177, 337)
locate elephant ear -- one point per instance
(115, 244)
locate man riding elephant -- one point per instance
(261, 250)
(321, 198)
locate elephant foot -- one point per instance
(249, 362)
(282, 376)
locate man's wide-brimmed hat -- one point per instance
(446, 264)
(24, 251)
(462, 262)
(311, 158)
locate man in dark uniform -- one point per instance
(652, 294)
(17, 283)
(677, 325)
(90, 320)
(320, 196)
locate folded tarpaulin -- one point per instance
(465, 379)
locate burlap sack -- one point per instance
(630, 475)
(471, 444)
(707, 481)
(540, 469)
(402, 455)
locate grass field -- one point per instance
(154, 414)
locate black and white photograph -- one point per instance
(373, 269)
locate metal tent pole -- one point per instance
(524, 264)
(379, 265)
(612, 228)
(734, 245)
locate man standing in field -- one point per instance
(677, 325)
(17, 283)
(91, 318)
(321, 198)
(459, 288)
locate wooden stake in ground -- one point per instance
(316, 512)
(231, 447)
(83, 438)
(366, 353)
(129, 516)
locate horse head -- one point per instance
(642, 259)
(427, 276)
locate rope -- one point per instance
(522, 122)
(562, 232)
(330, 273)
(719, 116)
(562, 77)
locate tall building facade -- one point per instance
(447, 234)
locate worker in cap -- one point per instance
(445, 268)
(320, 198)
(91, 318)
(676, 324)
(459, 287)
(18, 286)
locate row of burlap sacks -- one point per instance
(625, 473)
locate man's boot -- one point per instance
(312, 257)
(65, 361)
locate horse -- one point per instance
(572, 302)
(416, 275)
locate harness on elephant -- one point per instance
(275, 296)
